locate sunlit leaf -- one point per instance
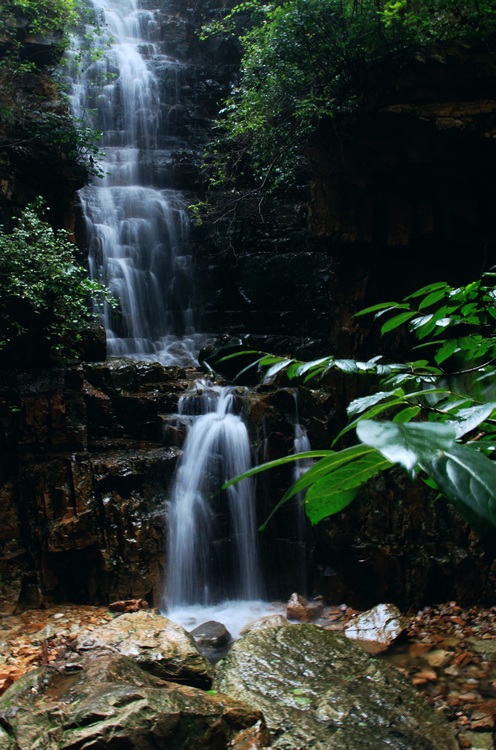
(470, 418)
(404, 443)
(360, 405)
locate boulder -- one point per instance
(157, 644)
(107, 700)
(377, 628)
(318, 689)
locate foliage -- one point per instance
(305, 60)
(438, 413)
(42, 287)
(37, 18)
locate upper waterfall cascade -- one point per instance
(136, 225)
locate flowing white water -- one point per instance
(212, 536)
(136, 227)
(301, 444)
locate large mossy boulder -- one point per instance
(156, 644)
(319, 690)
(108, 701)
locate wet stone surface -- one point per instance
(447, 652)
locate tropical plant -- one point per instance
(43, 289)
(437, 414)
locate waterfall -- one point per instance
(137, 236)
(136, 225)
(212, 540)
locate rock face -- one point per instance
(156, 644)
(108, 701)
(86, 463)
(84, 477)
(316, 689)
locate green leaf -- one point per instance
(432, 298)
(468, 478)
(359, 405)
(406, 415)
(468, 419)
(429, 288)
(397, 321)
(275, 368)
(448, 348)
(304, 368)
(324, 505)
(380, 306)
(339, 486)
(404, 443)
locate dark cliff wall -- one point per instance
(400, 195)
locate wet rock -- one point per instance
(298, 608)
(270, 621)
(377, 628)
(211, 634)
(108, 701)
(318, 689)
(157, 644)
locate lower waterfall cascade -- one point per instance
(212, 550)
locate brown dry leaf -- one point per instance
(462, 659)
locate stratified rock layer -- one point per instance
(319, 690)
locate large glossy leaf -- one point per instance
(468, 419)
(404, 443)
(468, 478)
(322, 504)
(330, 462)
